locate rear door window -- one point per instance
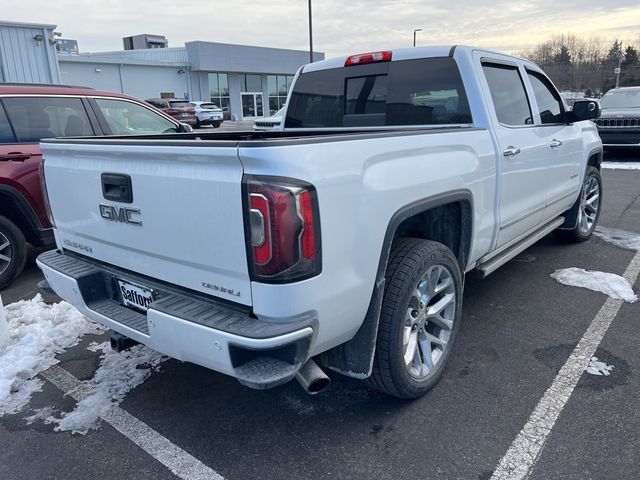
(407, 92)
(34, 118)
(6, 133)
(128, 118)
(508, 94)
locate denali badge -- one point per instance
(120, 214)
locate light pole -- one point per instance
(310, 36)
(621, 59)
(414, 34)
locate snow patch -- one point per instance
(620, 238)
(597, 367)
(621, 165)
(36, 333)
(608, 283)
(116, 376)
(40, 414)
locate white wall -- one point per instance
(85, 75)
(142, 81)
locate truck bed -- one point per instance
(250, 138)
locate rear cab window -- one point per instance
(180, 104)
(35, 118)
(427, 91)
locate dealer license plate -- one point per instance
(134, 296)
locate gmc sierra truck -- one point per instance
(342, 240)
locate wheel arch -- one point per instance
(355, 357)
(571, 216)
(14, 206)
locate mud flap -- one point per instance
(355, 357)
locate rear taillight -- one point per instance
(370, 57)
(45, 194)
(283, 229)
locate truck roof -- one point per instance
(404, 54)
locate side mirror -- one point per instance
(584, 110)
(184, 128)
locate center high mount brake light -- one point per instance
(370, 57)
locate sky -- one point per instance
(339, 27)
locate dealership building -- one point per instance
(247, 81)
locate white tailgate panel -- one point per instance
(190, 202)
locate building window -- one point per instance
(219, 90)
(278, 89)
(250, 83)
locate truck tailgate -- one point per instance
(184, 223)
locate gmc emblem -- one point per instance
(120, 214)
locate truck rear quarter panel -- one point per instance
(361, 184)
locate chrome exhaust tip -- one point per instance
(311, 377)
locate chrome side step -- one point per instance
(492, 264)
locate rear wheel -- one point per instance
(198, 124)
(588, 204)
(419, 320)
(13, 252)
(216, 124)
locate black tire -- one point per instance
(217, 124)
(16, 251)
(579, 233)
(409, 260)
(198, 124)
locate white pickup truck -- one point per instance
(344, 238)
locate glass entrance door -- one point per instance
(252, 105)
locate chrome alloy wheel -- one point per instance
(429, 322)
(5, 253)
(589, 204)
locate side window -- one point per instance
(548, 99)
(508, 94)
(128, 118)
(6, 133)
(34, 118)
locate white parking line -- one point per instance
(181, 463)
(525, 450)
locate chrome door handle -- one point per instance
(555, 143)
(511, 151)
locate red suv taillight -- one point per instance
(283, 229)
(45, 194)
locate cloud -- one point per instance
(339, 27)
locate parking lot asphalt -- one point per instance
(519, 328)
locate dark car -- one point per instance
(619, 124)
(29, 113)
(181, 110)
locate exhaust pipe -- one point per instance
(312, 378)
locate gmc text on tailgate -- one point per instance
(342, 240)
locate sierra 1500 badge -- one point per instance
(120, 214)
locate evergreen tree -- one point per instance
(563, 57)
(631, 55)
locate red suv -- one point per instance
(29, 113)
(181, 110)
